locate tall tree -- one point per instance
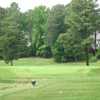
(12, 40)
(55, 23)
(80, 20)
(2, 15)
(39, 19)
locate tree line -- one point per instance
(64, 32)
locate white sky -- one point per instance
(30, 4)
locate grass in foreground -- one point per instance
(54, 81)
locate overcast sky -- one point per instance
(30, 4)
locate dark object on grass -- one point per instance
(33, 82)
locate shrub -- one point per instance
(44, 51)
(58, 52)
(68, 49)
(98, 54)
(93, 59)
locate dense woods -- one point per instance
(64, 32)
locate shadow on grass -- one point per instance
(94, 71)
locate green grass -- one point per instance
(28, 62)
(69, 81)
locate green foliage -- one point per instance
(98, 53)
(93, 59)
(74, 45)
(9, 48)
(64, 31)
(58, 52)
(55, 23)
(39, 29)
(12, 38)
(81, 17)
(69, 48)
(44, 51)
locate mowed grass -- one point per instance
(69, 81)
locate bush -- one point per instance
(68, 49)
(58, 52)
(44, 51)
(93, 59)
(98, 54)
(25, 52)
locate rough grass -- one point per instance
(54, 81)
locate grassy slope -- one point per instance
(54, 81)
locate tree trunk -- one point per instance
(87, 56)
